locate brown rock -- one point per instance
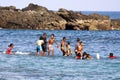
(79, 21)
(31, 17)
(38, 17)
(115, 24)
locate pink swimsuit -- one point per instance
(8, 51)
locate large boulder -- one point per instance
(31, 17)
(79, 21)
(37, 17)
(115, 24)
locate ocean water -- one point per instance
(26, 66)
(111, 14)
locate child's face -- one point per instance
(52, 37)
(12, 46)
(89, 56)
(66, 43)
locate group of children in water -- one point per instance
(43, 46)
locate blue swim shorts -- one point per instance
(39, 48)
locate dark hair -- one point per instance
(44, 34)
(81, 42)
(84, 53)
(88, 55)
(52, 35)
(78, 39)
(68, 43)
(111, 54)
(64, 38)
(11, 44)
(41, 38)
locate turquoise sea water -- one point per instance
(25, 66)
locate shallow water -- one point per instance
(23, 66)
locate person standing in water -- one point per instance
(9, 50)
(39, 46)
(50, 44)
(79, 51)
(68, 49)
(76, 45)
(63, 42)
(44, 45)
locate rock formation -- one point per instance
(31, 17)
(115, 24)
(38, 17)
(79, 21)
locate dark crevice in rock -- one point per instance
(69, 27)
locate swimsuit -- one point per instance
(50, 47)
(39, 48)
(8, 51)
(78, 56)
(112, 57)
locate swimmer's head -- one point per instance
(88, 55)
(44, 35)
(52, 35)
(84, 53)
(81, 43)
(64, 38)
(111, 54)
(78, 39)
(41, 38)
(68, 43)
(11, 45)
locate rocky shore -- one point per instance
(40, 18)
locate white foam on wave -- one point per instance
(17, 52)
(22, 53)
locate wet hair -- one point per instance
(64, 38)
(52, 35)
(11, 44)
(44, 34)
(78, 39)
(81, 42)
(84, 53)
(68, 43)
(111, 54)
(41, 38)
(88, 55)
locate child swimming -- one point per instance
(89, 57)
(84, 56)
(111, 56)
(9, 50)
